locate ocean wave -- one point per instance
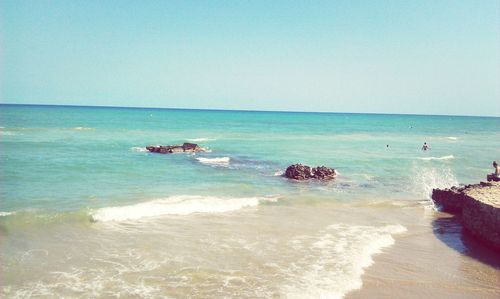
(221, 161)
(452, 138)
(176, 205)
(200, 139)
(3, 214)
(7, 133)
(138, 149)
(449, 157)
(335, 259)
(82, 128)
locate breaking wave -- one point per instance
(449, 157)
(200, 139)
(82, 128)
(176, 205)
(222, 161)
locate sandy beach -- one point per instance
(436, 259)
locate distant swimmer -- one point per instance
(387, 145)
(425, 147)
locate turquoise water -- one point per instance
(69, 158)
(87, 212)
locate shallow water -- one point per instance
(85, 210)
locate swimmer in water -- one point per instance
(425, 147)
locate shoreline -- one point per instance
(447, 248)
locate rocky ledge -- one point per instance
(304, 172)
(169, 149)
(479, 206)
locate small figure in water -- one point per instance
(495, 176)
(387, 145)
(425, 147)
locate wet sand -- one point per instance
(434, 260)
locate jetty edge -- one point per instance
(479, 208)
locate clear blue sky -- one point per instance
(429, 57)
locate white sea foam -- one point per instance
(200, 139)
(7, 133)
(176, 205)
(82, 128)
(336, 259)
(449, 157)
(138, 149)
(222, 161)
(3, 214)
(452, 138)
(428, 178)
(279, 173)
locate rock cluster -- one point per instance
(479, 206)
(492, 177)
(304, 172)
(169, 149)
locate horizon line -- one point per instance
(238, 110)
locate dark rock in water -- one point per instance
(298, 172)
(169, 149)
(479, 206)
(190, 146)
(304, 172)
(324, 173)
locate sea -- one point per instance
(87, 212)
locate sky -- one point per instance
(417, 57)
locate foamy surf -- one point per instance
(452, 138)
(200, 139)
(138, 149)
(449, 157)
(336, 259)
(222, 161)
(279, 173)
(82, 128)
(176, 205)
(3, 214)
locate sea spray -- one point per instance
(428, 178)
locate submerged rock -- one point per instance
(479, 206)
(303, 172)
(169, 149)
